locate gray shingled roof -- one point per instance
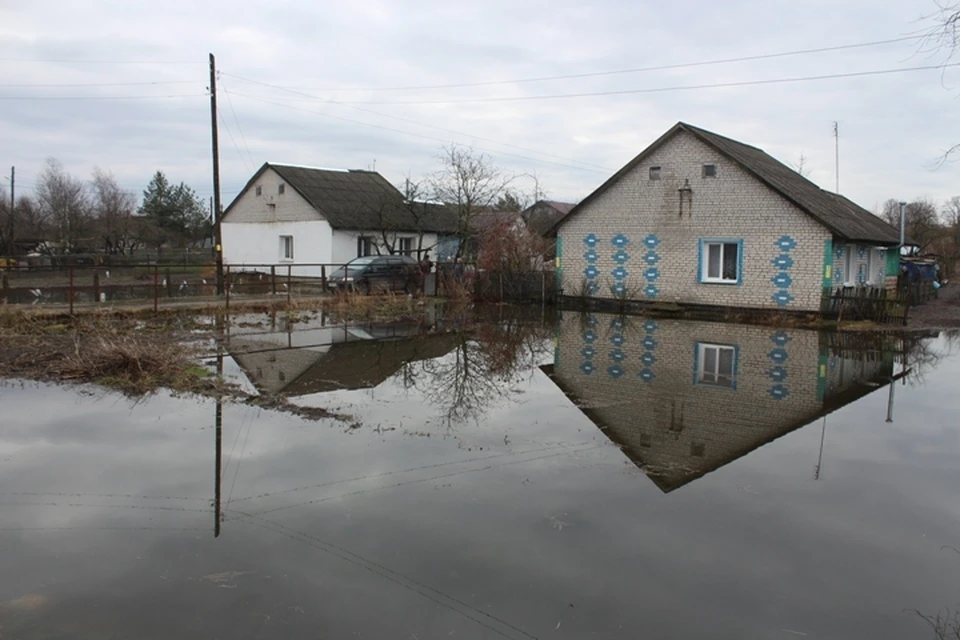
(544, 215)
(362, 200)
(844, 218)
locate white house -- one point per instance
(307, 217)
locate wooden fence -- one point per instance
(866, 303)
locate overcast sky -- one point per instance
(350, 84)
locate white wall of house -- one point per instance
(345, 242)
(255, 223)
(648, 248)
(247, 243)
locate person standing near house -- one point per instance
(426, 266)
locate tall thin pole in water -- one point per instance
(219, 435)
(823, 434)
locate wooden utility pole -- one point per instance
(218, 247)
(13, 188)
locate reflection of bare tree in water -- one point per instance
(923, 354)
(485, 363)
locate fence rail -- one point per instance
(86, 285)
(865, 303)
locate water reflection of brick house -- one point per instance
(683, 398)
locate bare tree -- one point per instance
(944, 37)
(113, 209)
(467, 183)
(922, 220)
(63, 200)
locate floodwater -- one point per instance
(589, 477)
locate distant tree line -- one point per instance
(68, 215)
(935, 229)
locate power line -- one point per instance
(233, 140)
(412, 121)
(411, 133)
(78, 61)
(718, 85)
(239, 128)
(96, 84)
(594, 74)
(50, 98)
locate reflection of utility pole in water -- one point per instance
(823, 434)
(218, 422)
(893, 384)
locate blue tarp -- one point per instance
(919, 270)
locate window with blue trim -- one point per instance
(720, 261)
(716, 365)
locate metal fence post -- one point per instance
(273, 279)
(323, 278)
(156, 288)
(96, 287)
(227, 287)
(70, 289)
(289, 283)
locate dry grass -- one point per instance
(135, 364)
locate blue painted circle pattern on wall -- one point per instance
(591, 272)
(588, 351)
(649, 345)
(782, 280)
(778, 372)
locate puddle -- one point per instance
(590, 477)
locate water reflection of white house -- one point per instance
(316, 359)
(683, 398)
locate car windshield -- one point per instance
(361, 262)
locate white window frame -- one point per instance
(406, 240)
(869, 280)
(709, 170)
(656, 172)
(850, 265)
(715, 377)
(286, 248)
(366, 242)
(704, 275)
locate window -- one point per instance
(281, 188)
(655, 173)
(716, 365)
(258, 190)
(850, 265)
(709, 171)
(405, 246)
(720, 261)
(286, 247)
(868, 277)
(366, 246)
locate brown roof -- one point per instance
(357, 199)
(844, 218)
(544, 215)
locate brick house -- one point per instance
(682, 398)
(701, 219)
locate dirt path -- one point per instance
(942, 313)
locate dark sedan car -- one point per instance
(376, 273)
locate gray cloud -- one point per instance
(892, 127)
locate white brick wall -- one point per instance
(731, 205)
(675, 428)
(289, 206)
